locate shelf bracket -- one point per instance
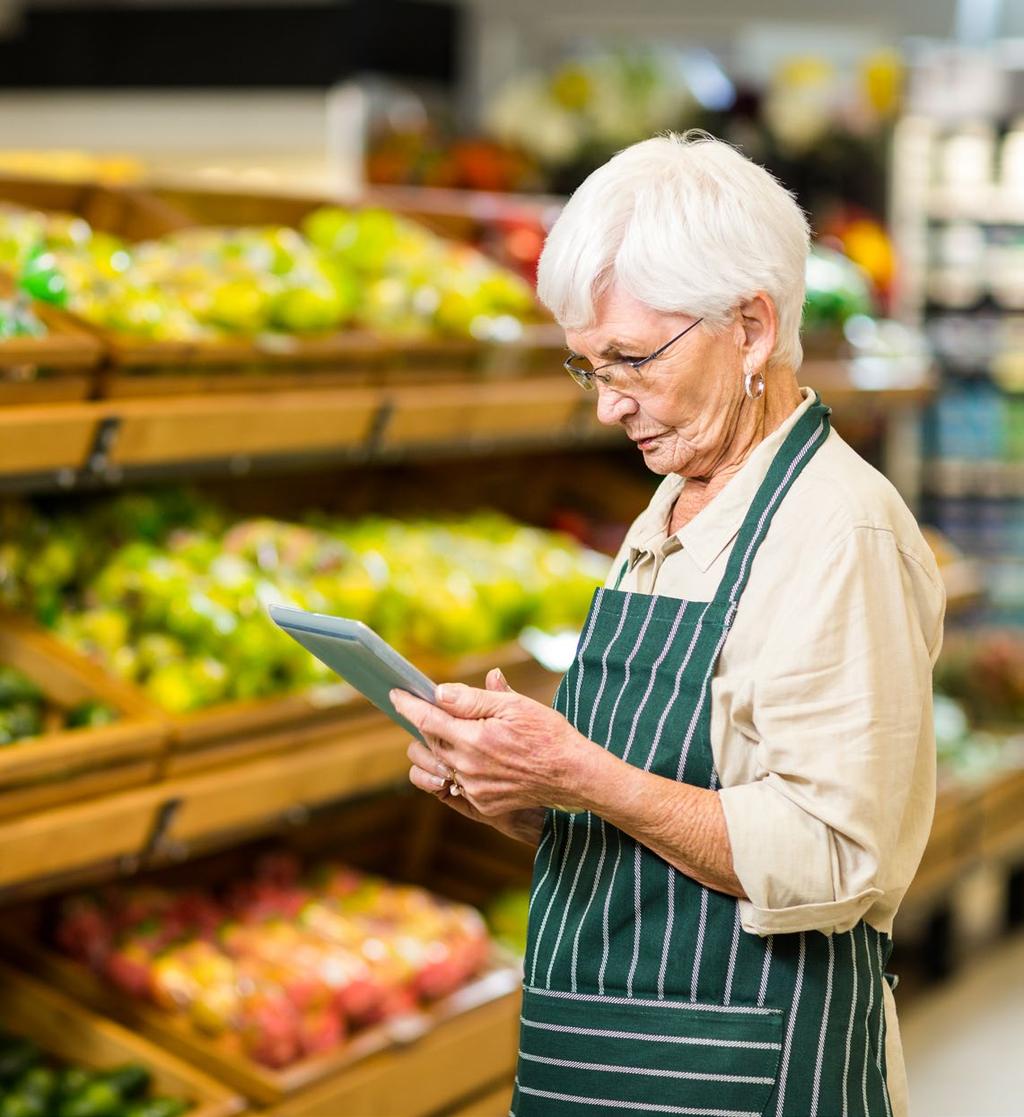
(132, 863)
(97, 463)
(375, 435)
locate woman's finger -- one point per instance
(426, 758)
(428, 719)
(426, 780)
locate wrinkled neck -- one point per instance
(757, 420)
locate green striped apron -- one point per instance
(642, 992)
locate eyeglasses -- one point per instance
(579, 368)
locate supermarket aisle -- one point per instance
(964, 1042)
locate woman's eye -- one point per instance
(626, 359)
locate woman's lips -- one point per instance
(647, 443)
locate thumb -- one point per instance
(497, 681)
(469, 702)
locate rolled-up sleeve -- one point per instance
(839, 694)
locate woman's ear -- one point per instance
(760, 325)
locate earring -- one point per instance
(753, 384)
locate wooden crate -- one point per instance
(348, 357)
(494, 1103)
(73, 1034)
(411, 1067)
(54, 368)
(70, 765)
(122, 211)
(422, 1078)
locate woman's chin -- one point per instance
(659, 458)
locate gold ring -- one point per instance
(455, 790)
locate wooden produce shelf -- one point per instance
(46, 439)
(452, 1061)
(274, 363)
(402, 1068)
(369, 755)
(411, 1066)
(140, 367)
(493, 1103)
(121, 210)
(71, 1033)
(68, 765)
(449, 414)
(116, 437)
(381, 421)
(237, 774)
(215, 804)
(195, 428)
(63, 840)
(119, 438)
(54, 368)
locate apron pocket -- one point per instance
(591, 1055)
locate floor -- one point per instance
(964, 1039)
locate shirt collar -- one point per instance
(715, 526)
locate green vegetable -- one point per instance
(130, 1080)
(42, 278)
(20, 720)
(98, 1099)
(16, 1057)
(16, 687)
(73, 1080)
(38, 1082)
(157, 1107)
(91, 715)
(22, 1105)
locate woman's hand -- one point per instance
(426, 774)
(510, 753)
(514, 758)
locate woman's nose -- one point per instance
(612, 406)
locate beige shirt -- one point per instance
(821, 722)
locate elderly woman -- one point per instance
(736, 783)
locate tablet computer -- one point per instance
(362, 658)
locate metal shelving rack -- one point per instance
(958, 218)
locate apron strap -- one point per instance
(801, 444)
(622, 574)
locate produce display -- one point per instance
(984, 670)
(170, 592)
(837, 289)
(366, 268)
(25, 712)
(283, 963)
(979, 703)
(34, 1085)
(17, 320)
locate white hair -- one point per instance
(685, 224)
